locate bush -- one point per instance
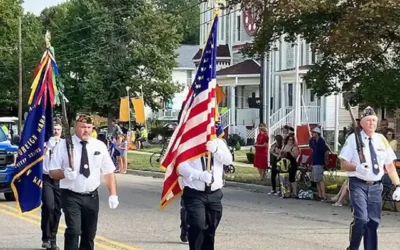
(250, 157)
(237, 146)
(235, 139)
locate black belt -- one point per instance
(209, 191)
(94, 192)
(365, 182)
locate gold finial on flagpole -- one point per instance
(47, 38)
(216, 4)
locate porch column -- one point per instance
(336, 140)
(297, 87)
(233, 107)
(283, 94)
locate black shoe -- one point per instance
(46, 244)
(53, 246)
(184, 238)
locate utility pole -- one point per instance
(20, 77)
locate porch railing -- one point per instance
(225, 118)
(309, 114)
(168, 114)
(276, 128)
(248, 117)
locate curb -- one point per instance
(250, 187)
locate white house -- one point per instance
(182, 74)
(240, 78)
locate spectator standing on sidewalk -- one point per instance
(275, 153)
(318, 147)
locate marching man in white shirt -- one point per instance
(51, 194)
(202, 201)
(80, 199)
(365, 179)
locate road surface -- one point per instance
(250, 221)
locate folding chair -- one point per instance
(387, 193)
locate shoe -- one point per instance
(46, 244)
(272, 193)
(184, 238)
(337, 204)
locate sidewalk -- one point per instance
(246, 165)
(239, 164)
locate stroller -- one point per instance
(283, 173)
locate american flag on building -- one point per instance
(197, 123)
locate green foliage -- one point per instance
(101, 47)
(188, 14)
(358, 43)
(234, 139)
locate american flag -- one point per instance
(197, 124)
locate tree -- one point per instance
(188, 12)
(31, 52)
(9, 12)
(358, 42)
(103, 47)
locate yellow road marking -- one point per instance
(98, 237)
(105, 247)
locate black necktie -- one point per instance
(84, 161)
(374, 159)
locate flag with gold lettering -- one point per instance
(27, 181)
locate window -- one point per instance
(238, 27)
(3, 136)
(302, 54)
(189, 78)
(312, 96)
(221, 25)
(289, 56)
(308, 52)
(290, 94)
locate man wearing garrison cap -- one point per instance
(365, 180)
(79, 183)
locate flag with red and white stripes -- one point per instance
(197, 123)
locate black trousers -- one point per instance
(81, 213)
(204, 212)
(274, 173)
(51, 208)
(184, 225)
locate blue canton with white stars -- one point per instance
(208, 65)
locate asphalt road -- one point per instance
(250, 221)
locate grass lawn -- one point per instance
(242, 174)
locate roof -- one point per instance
(247, 67)
(222, 51)
(304, 67)
(185, 53)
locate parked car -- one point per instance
(8, 154)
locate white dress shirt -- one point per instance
(99, 162)
(50, 153)
(191, 170)
(384, 152)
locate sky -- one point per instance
(36, 6)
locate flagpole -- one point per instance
(216, 5)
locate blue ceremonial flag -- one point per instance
(27, 181)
